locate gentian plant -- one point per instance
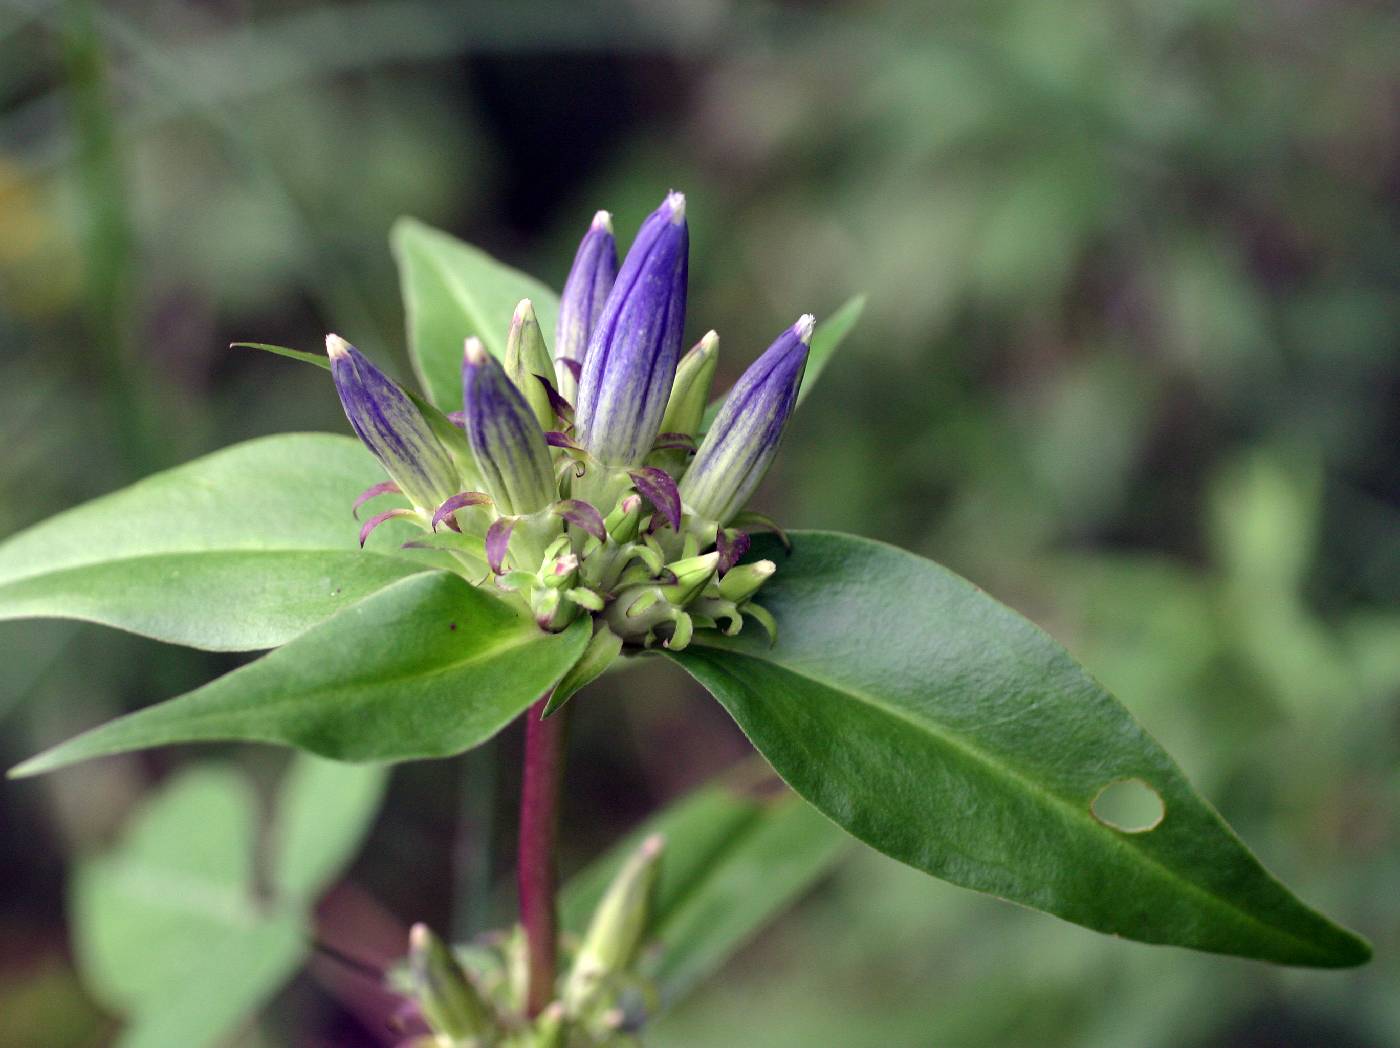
(536, 517)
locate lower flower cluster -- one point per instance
(617, 503)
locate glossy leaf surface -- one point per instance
(451, 291)
(738, 852)
(427, 667)
(942, 728)
(239, 550)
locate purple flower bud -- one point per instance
(631, 358)
(505, 438)
(585, 292)
(386, 420)
(740, 446)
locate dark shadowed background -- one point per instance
(1129, 362)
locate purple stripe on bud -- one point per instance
(583, 516)
(388, 487)
(388, 423)
(375, 521)
(732, 546)
(585, 292)
(505, 438)
(740, 446)
(657, 487)
(631, 358)
(498, 542)
(456, 502)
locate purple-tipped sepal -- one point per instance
(657, 487)
(392, 427)
(585, 292)
(462, 500)
(506, 439)
(743, 441)
(631, 358)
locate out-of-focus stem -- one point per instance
(107, 238)
(542, 777)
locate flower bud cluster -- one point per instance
(482, 1001)
(583, 483)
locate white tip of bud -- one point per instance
(676, 202)
(631, 502)
(603, 220)
(709, 342)
(474, 351)
(524, 308)
(764, 568)
(418, 937)
(566, 564)
(652, 846)
(336, 347)
(805, 323)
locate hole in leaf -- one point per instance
(1129, 805)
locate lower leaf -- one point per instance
(427, 667)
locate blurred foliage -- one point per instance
(1129, 361)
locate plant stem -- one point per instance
(539, 829)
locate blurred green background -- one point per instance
(1129, 362)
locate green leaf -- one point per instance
(171, 927)
(943, 729)
(427, 667)
(319, 359)
(826, 338)
(324, 810)
(239, 550)
(168, 928)
(737, 853)
(452, 290)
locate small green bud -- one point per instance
(526, 358)
(691, 391)
(742, 582)
(450, 1003)
(625, 520)
(616, 930)
(551, 1028)
(692, 576)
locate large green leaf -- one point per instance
(170, 927)
(737, 853)
(239, 550)
(826, 339)
(429, 666)
(942, 728)
(452, 290)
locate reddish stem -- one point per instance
(539, 831)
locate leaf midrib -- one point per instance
(1008, 771)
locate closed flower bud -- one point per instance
(526, 358)
(740, 446)
(450, 1004)
(581, 304)
(507, 441)
(631, 358)
(615, 932)
(392, 427)
(741, 583)
(692, 575)
(691, 391)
